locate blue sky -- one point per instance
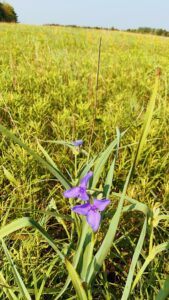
(122, 14)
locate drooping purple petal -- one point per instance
(85, 179)
(77, 143)
(72, 193)
(82, 209)
(82, 194)
(101, 204)
(93, 219)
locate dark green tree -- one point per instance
(7, 13)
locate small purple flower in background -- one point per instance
(77, 143)
(79, 191)
(92, 211)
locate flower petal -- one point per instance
(83, 195)
(72, 193)
(77, 143)
(81, 209)
(93, 219)
(101, 204)
(85, 179)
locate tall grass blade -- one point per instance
(21, 285)
(40, 292)
(155, 250)
(137, 252)
(10, 177)
(77, 256)
(87, 253)
(76, 281)
(147, 121)
(102, 159)
(44, 163)
(6, 289)
(28, 222)
(109, 178)
(47, 156)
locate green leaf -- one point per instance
(47, 156)
(27, 222)
(164, 291)
(17, 276)
(52, 264)
(44, 163)
(101, 161)
(86, 168)
(10, 177)
(87, 254)
(137, 252)
(6, 288)
(155, 250)
(77, 256)
(147, 121)
(76, 281)
(109, 178)
(136, 204)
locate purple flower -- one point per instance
(77, 143)
(92, 211)
(79, 191)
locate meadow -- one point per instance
(50, 97)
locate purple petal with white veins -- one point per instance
(81, 209)
(83, 196)
(85, 179)
(72, 193)
(77, 143)
(101, 204)
(93, 219)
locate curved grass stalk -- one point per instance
(156, 250)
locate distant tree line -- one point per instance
(155, 31)
(7, 13)
(87, 27)
(148, 30)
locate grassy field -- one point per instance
(48, 93)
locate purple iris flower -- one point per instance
(92, 211)
(77, 143)
(79, 191)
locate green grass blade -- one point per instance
(108, 240)
(87, 253)
(76, 281)
(6, 289)
(164, 291)
(109, 179)
(68, 144)
(47, 156)
(17, 276)
(35, 284)
(137, 252)
(101, 161)
(141, 206)
(77, 256)
(52, 264)
(10, 177)
(147, 121)
(44, 163)
(86, 168)
(155, 250)
(28, 222)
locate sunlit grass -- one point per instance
(47, 92)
